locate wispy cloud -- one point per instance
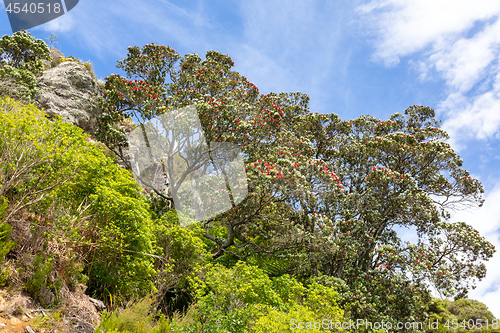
(404, 27)
(62, 24)
(308, 43)
(476, 117)
(107, 28)
(280, 48)
(487, 221)
(457, 42)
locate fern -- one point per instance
(272, 266)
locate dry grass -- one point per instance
(75, 312)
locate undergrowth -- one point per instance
(138, 318)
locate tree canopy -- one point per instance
(21, 58)
(326, 195)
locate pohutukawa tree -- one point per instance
(395, 174)
(230, 110)
(325, 194)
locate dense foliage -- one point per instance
(463, 315)
(51, 167)
(20, 64)
(315, 239)
(326, 195)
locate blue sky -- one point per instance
(359, 57)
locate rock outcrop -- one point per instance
(57, 57)
(70, 90)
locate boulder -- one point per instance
(99, 305)
(57, 57)
(70, 90)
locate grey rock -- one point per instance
(29, 329)
(56, 58)
(70, 91)
(99, 305)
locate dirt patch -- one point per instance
(12, 316)
(77, 313)
(13, 324)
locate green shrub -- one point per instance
(323, 301)
(243, 298)
(5, 229)
(4, 275)
(317, 312)
(231, 298)
(42, 280)
(67, 173)
(137, 318)
(123, 265)
(229, 289)
(279, 321)
(36, 155)
(464, 312)
(184, 256)
(37, 158)
(290, 290)
(51, 166)
(20, 63)
(183, 247)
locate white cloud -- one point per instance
(486, 220)
(59, 25)
(404, 27)
(454, 41)
(273, 38)
(475, 117)
(464, 62)
(470, 68)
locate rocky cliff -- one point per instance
(69, 89)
